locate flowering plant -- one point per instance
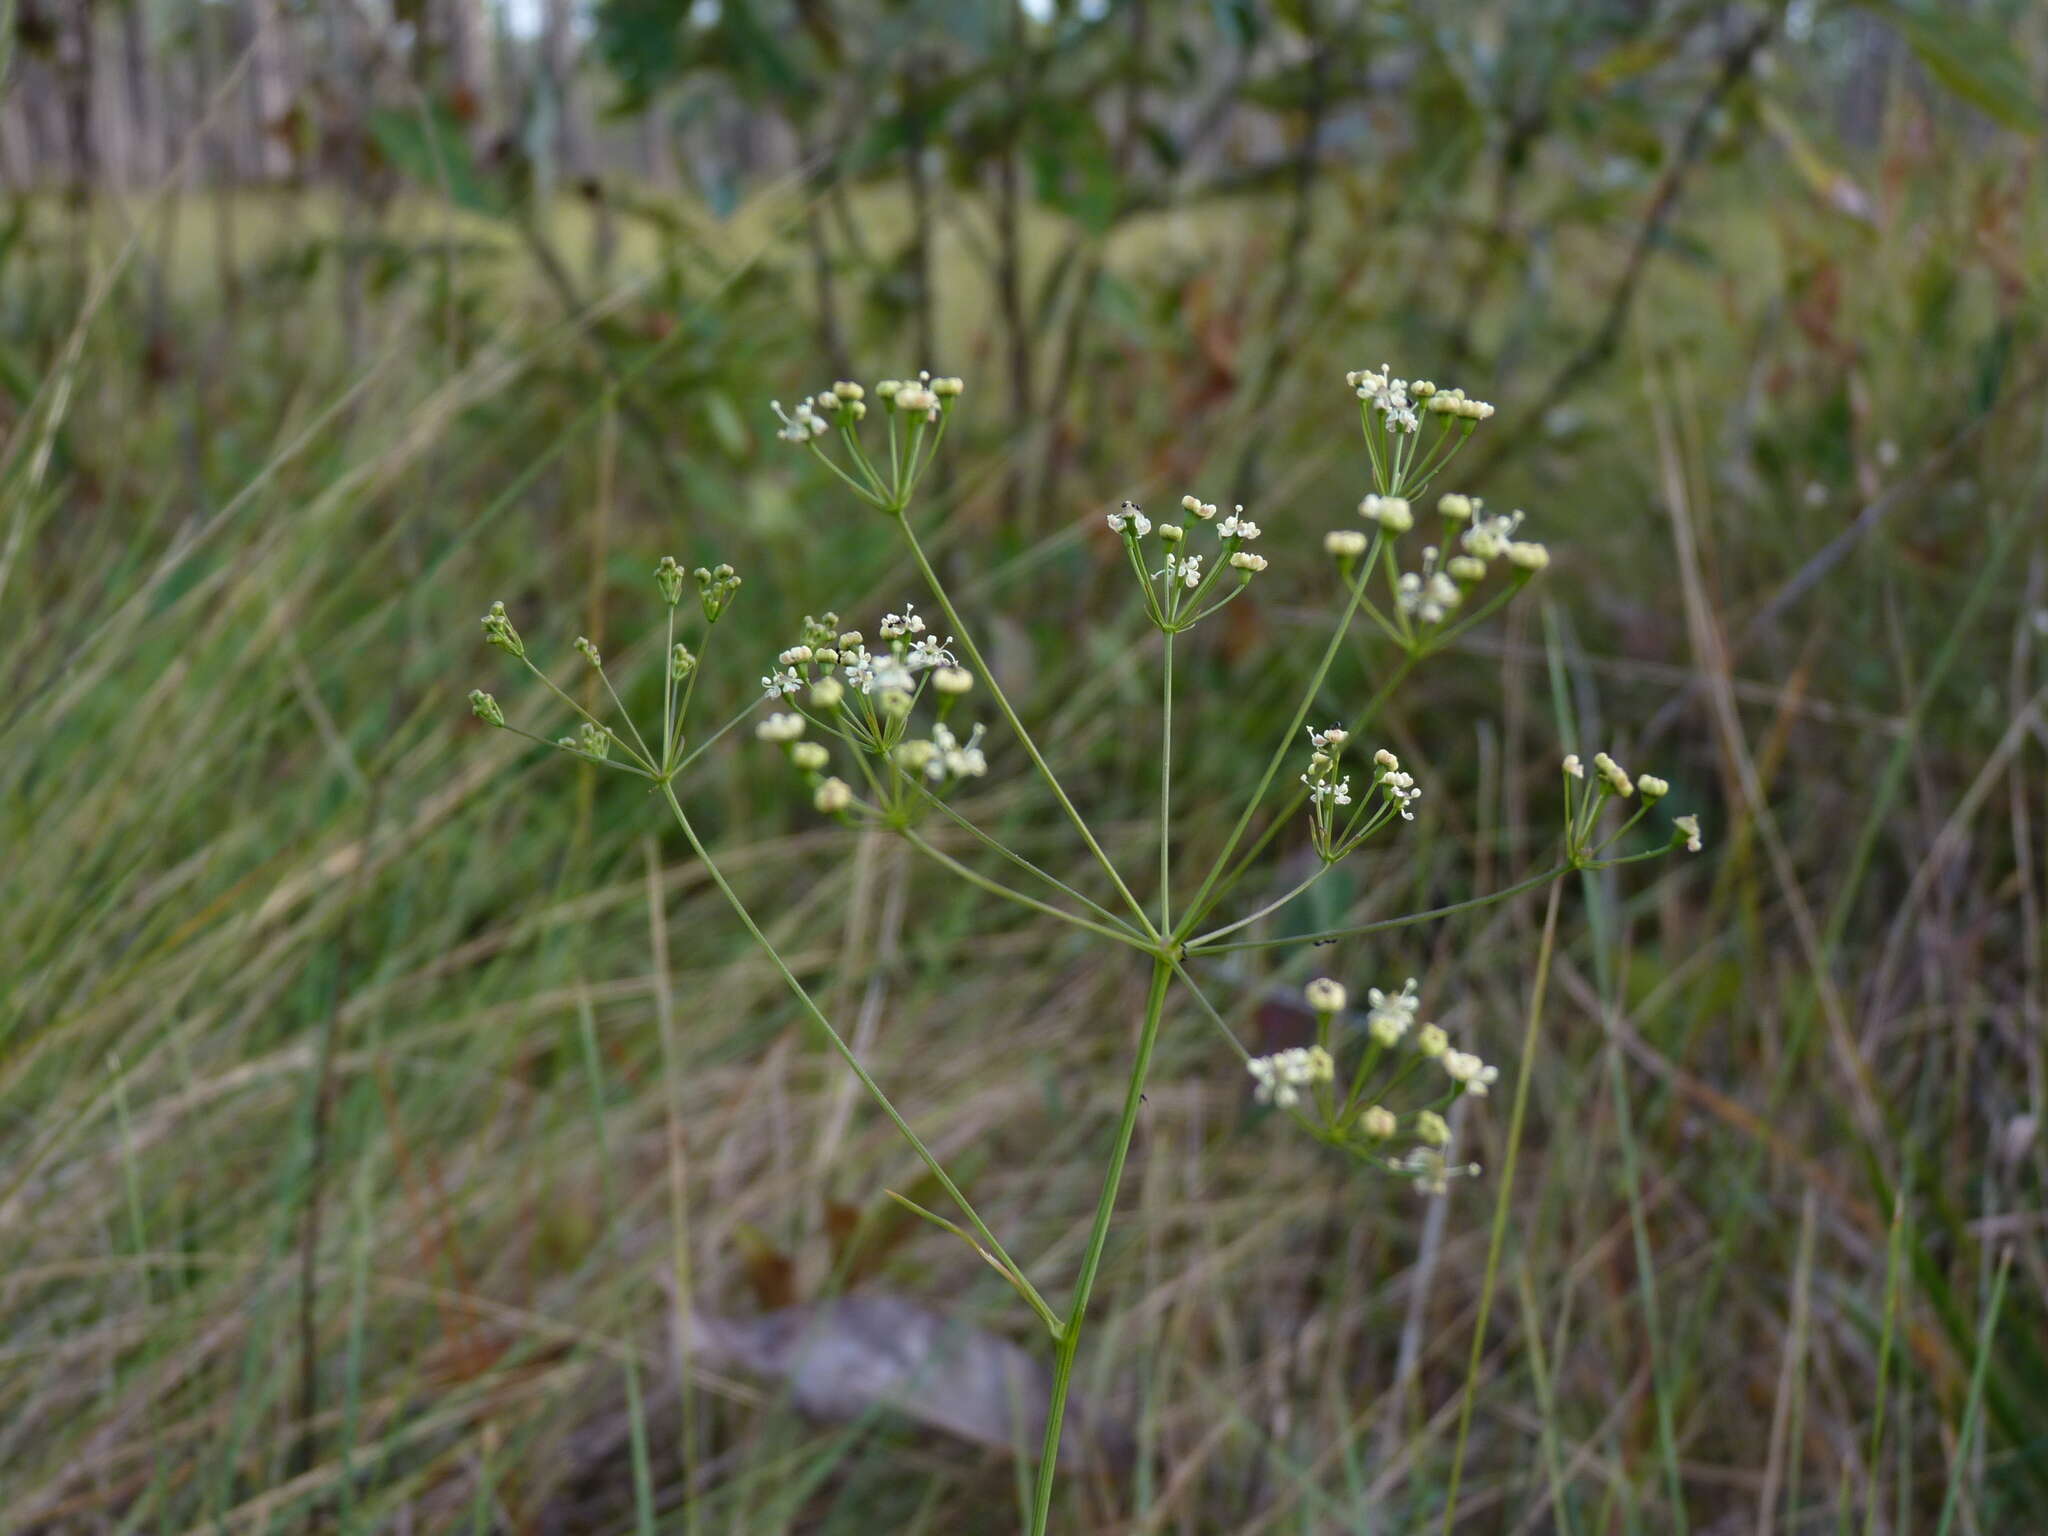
(889, 709)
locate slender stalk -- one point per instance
(1203, 945)
(931, 579)
(1091, 1260)
(1500, 1203)
(998, 846)
(945, 1180)
(1010, 893)
(1166, 789)
(1267, 910)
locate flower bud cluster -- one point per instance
(716, 587)
(498, 631)
(1611, 781)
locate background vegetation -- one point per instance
(396, 1133)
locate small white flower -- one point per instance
(1527, 555)
(780, 728)
(1466, 568)
(1455, 507)
(1378, 1123)
(1430, 1040)
(1333, 736)
(1390, 512)
(897, 625)
(1468, 1069)
(1245, 560)
(952, 679)
(915, 756)
(955, 758)
(1391, 1016)
(1128, 516)
(1344, 543)
(1652, 788)
(826, 693)
(1325, 995)
(832, 797)
(1187, 572)
(928, 652)
(801, 425)
(1616, 776)
(809, 756)
(776, 684)
(1573, 766)
(1430, 1127)
(1237, 526)
(1690, 827)
(1282, 1075)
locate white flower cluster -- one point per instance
(922, 396)
(884, 482)
(945, 756)
(1392, 1015)
(1175, 593)
(1329, 791)
(867, 696)
(1398, 786)
(1491, 535)
(1398, 400)
(1285, 1075)
(1354, 1120)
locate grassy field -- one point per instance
(398, 1132)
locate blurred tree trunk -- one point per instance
(471, 79)
(210, 72)
(831, 335)
(558, 72)
(1009, 272)
(270, 91)
(75, 56)
(147, 152)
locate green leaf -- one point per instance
(428, 147)
(1975, 61)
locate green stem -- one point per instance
(931, 579)
(945, 1180)
(1203, 946)
(1166, 789)
(1500, 1203)
(1091, 1260)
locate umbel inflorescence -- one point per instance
(870, 720)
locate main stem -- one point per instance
(1098, 1238)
